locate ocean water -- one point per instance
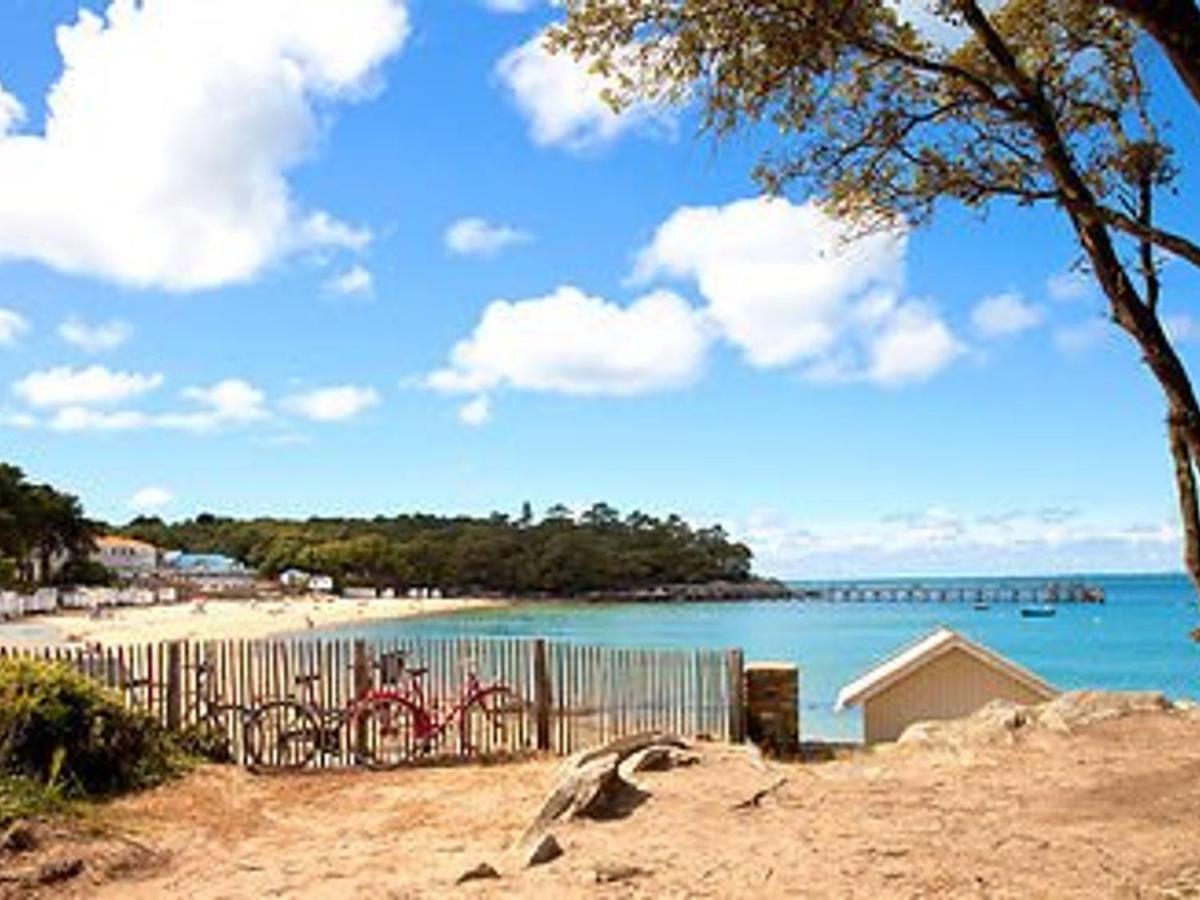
(1139, 639)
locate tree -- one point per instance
(1041, 102)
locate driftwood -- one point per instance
(758, 796)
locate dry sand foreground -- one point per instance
(236, 618)
(1111, 811)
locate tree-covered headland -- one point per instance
(560, 553)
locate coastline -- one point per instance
(225, 619)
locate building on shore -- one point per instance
(126, 557)
(942, 676)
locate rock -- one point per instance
(544, 850)
(611, 872)
(1078, 709)
(59, 870)
(19, 838)
(478, 873)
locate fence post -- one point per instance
(542, 698)
(737, 695)
(361, 686)
(174, 675)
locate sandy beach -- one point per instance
(1110, 810)
(225, 619)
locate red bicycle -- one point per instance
(387, 726)
(396, 724)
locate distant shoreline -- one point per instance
(227, 619)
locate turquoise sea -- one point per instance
(1137, 640)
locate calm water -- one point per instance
(1137, 640)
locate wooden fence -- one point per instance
(561, 697)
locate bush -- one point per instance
(59, 728)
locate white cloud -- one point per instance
(355, 280)
(943, 541)
(75, 394)
(572, 343)
(67, 387)
(332, 404)
(12, 326)
(1078, 339)
(150, 498)
(1004, 314)
(231, 401)
(478, 237)
(170, 132)
(95, 338)
(475, 412)
(511, 6)
(786, 285)
(911, 346)
(82, 418)
(12, 113)
(1067, 286)
(562, 99)
(20, 420)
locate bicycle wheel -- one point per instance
(386, 733)
(490, 722)
(283, 735)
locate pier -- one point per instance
(1049, 593)
(1046, 593)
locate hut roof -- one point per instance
(922, 652)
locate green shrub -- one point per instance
(59, 728)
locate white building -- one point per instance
(126, 556)
(942, 676)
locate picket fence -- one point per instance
(563, 696)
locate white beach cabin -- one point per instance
(942, 676)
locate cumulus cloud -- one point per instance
(97, 338)
(151, 498)
(94, 385)
(475, 412)
(12, 113)
(228, 402)
(786, 286)
(332, 404)
(571, 343)
(357, 280)
(12, 326)
(562, 100)
(1003, 315)
(478, 237)
(170, 132)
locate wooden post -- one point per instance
(361, 685)
(737, 695)
(174, 675)
(542, 694)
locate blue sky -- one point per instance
(377, 258)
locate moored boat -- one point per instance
(1042, 611)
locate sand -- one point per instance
(224, 619)
(1111, 811)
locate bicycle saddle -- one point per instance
(311, 678)
(418, 672)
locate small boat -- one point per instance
(1043, 611)
(982, 606)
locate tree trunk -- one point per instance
(1136, 318)
(1175, 26)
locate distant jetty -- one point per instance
(1047, 593)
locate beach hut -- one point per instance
(942, 676)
